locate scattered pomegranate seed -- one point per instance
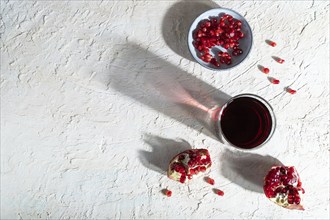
(291, 91)
(273, 80)
(279, 60)
(272, 43)
(265, 70)
(219, 192)
(168, 193)
(210, 180)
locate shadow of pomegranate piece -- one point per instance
(177, 21)
(163, 150)
(247, 169)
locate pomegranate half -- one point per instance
(188, 164)
(283, 186)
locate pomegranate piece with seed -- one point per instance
(188, 164)
(282, 185)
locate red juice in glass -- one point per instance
(246, 121)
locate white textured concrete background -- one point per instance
(92, 109)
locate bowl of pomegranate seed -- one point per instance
(220, 39)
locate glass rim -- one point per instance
(258, 98)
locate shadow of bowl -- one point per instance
(177, 22)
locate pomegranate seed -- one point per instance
(219, 192)
(205, 50)
(265, 70)
(167, 192)
(239, 51)
(215, 62)
(210, 180)
(272, 43)
(228, 62)
(279, 189)
(291, 91)
(202, 169)
(182, 179)
(274, 81)
(297, 200)
(284, 177)
(279, 60)
(225, 54)
(226, 46)
(240, 34)
(299, 184)
(286, 182)
(231, 31)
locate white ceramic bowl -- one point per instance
(245, 43)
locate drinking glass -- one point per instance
(246, 121)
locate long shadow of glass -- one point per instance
(177, 21)
(246, 169)
(141, 75)
(163, 150)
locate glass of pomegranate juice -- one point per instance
(246, 121)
